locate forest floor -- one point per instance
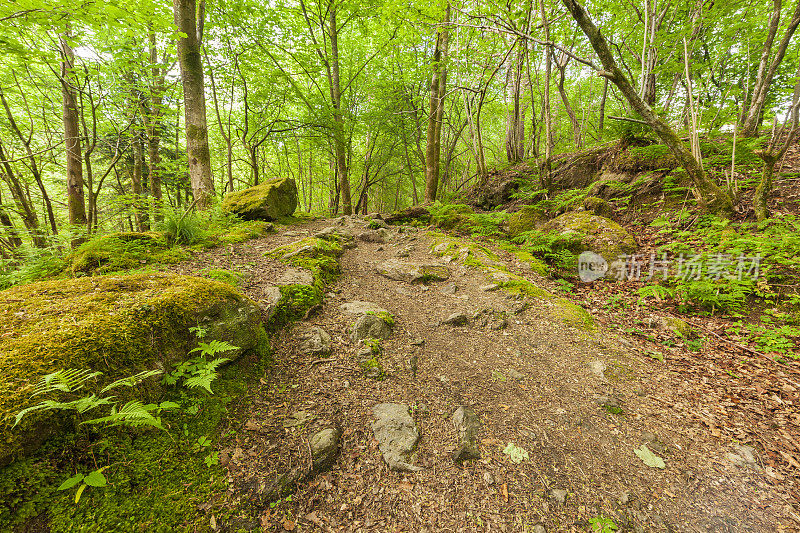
(579, 401)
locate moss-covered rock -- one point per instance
(270, 200)
(115, 324)
(526, 219)
(598, 206)
(639, 158)
(597, 234)
(123, 251)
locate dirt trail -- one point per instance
(536, 383)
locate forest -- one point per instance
(477, 148)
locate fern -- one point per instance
(69, 380)
(205, 374)
(213, 348)
(132, 414)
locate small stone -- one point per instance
(490, 287)
(324, 447)
(315, 341)
(456, 319)
(361, 308)
(598, 367)
(295, 276)
(370, 327)
(297, 419)
(515, 375)
(440, 248)
(397, 436)
(371, 236)
(450, 288)
(488, 478)
(539, 528)
(379, 248)
(609, 402)
(467, 425)
(412, 272)
(558, 496)
(418, 342)
(405, 252)
(269, 304)
(625, 498)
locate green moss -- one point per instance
(573, 315)
(524, 287)
(591, 232)
(231, 277)
(652, 157)
(387, 317)
(528, 218)
(158, 480)
(267, 201)
(123, 251)
(115, 324)
(244, 231)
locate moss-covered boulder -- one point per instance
(118, 325)
(598, 206)
(597, 234)
(267, 201)
(526, 219)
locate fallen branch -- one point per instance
(628, 119)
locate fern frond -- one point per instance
(213, 347)
(131, 381)
(69, 380)
(133, 414)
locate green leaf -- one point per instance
(515, 453)
(80, 491)
(649, 458)
(71, 482)
(96, 479)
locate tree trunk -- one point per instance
(601, 119)
(515, 121)
(190, 59)
(24, 206)
(545, 171)
(153, 128)
(767, 68)
(710, 194)
(76, 203)
(561, 65)
(436, 111)
(340, 145)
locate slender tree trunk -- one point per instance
(515, 121)
(152, 119)
(714, 198)
(767, 68)
(14, 240)
(76, 203)
(24, 206)
(561, 65)
(545, 171)
(770, 156)
(601, 119)
(190, 59)
(139, 209)
(433, 145)
(340, 145)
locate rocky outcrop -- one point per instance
(594, 233)
(119, 325)
(267, 201)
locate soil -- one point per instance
(536, 383)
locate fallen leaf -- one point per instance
(649, 458)
(516, 453)
(504, 490)
(288, 525)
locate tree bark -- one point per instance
(24, 206)
(710, 194)
(767, 68)
(515, 121)
(340, 145)
(190, 59)
(436, 111)
(76, 203)
(545, 171)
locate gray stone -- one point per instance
(397, 436)
(440, 248)
(539, 528)
(558, 496)
(609, 402)
(405, 251)
(412, 272)
(269, 303)
(515, 375)
(625, 498)
(450, 288)
(324, 447)
(385, 234)
(297, 419)
(357, 307)
(467, 425)
(295, 276)
(344, 237)
(377, 223)
(597, 367)
(744, 456)
(370, 327)
(456, 319)
(490, 287)
(315, 341)
(371, 236)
